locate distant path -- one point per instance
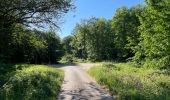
(78, 85)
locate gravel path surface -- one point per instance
(78, 85)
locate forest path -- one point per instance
(78, 85)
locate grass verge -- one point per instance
(130, 83)
(30, 82)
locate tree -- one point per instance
(33, 46)
(32, 11)
(25, 46)
(54, 47)
(94, 39)
(154, 46)
(27, 13)
(125, 25)
(67, 44)
(80, 33)
(133, 35)
(120, 29)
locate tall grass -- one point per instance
(130, 83)
(35, 82)
(8, 70)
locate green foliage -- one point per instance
(98, 39)
(68, 44)
(68, 58)
(93, 39)
(154, 46)
(125, 25)
(53, 46)
(33, 46)
(33, 83)
(7, 70)
(34, 13)
(130, 83)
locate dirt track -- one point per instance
(78, 85)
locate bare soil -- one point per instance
(78, 85)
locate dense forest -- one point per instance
(139, 35)
(20, 42)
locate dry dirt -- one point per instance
(78, 85)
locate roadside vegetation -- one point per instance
(128, 82)
(23, 43)
(139, 34)
(29, 82)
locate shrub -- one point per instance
(68, 58)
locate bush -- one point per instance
(37, 82)
(130, 83)
(68, 58)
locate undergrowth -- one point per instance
(31, 82)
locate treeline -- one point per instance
(19, 43)
(98, 39)
(140, 34)
(33, 46)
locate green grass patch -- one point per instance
(8, 70)
(130, 83)
(30, 82)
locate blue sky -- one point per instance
(92, 8)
